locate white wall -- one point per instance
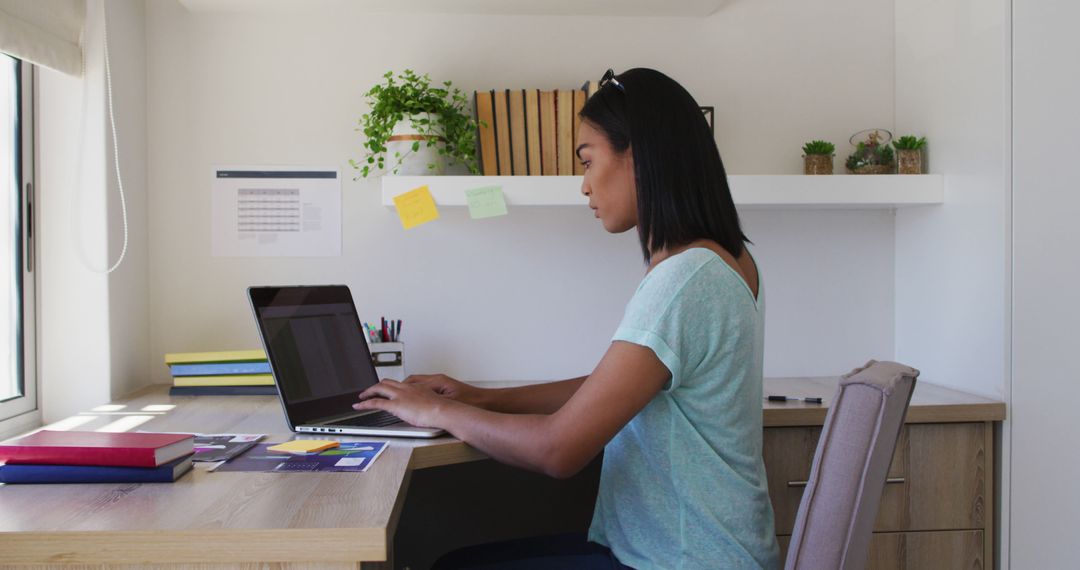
(74, 354)
(536, 294)
(1046, 310)
(94, 328)
(951, 260)
(129, 288)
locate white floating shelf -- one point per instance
(668, 8)
(790, 192)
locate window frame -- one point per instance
(23, 412)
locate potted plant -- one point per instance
(818, 157)
(415, 128)
(872, 156)
(909, 154)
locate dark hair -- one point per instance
(682, 189)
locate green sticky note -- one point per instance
(486, 202)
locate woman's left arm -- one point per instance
(558, 444)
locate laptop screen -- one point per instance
(316, 350)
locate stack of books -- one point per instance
(229, 373)
(530, 132)
(96, 457)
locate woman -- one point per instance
(675, 403)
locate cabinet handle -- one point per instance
(803, 483)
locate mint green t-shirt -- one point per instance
(683, 484)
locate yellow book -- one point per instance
(564, 132)
(485, 111)
(579, 103)
(532, 130)
(516, 107)
(227, 380)
(548, 149)
(502, 133)
(303, 446)
(224, 356)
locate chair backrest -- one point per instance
(838, 508)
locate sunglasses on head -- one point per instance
(609, 77)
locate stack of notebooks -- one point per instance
(231, 373)
(530, 132)
(96, 457)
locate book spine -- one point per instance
(489, 165)
(518, 148)
(87, 474)
(223, 391)
(548, 149)
(233, 380)
(579, 103)
(220, 369)
(502, 133)
(532, 130)
(564, 103)
(100, 456)
(205, 357)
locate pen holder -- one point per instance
(388, 359)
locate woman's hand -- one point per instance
(414, 404)
(448, 387)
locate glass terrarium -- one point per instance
(872, 154)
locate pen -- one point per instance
(398, 331)
(790, 398)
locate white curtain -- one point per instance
(44, 32)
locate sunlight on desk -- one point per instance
(125, 423)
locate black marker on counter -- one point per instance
(789, 398)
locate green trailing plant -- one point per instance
(451, 129)
(819, 147)
(910, 142)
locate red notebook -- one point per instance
(96, 448)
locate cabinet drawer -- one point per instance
(937, 477)
(940, 550)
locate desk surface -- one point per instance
(331, 518)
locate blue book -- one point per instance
(223, 391)
(220, 368)
(166, 473)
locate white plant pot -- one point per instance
(415, 163)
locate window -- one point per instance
(18, 378)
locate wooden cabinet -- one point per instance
(939, 550)
(936, 509)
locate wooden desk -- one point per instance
(345, 520)
(218, 520)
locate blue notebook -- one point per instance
(166, 473)
(220, 368)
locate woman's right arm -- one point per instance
(543, 398)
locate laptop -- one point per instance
(320, 361)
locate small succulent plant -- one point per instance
(818, 147)
(909, 142)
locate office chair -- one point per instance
(838, 508)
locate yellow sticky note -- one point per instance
(303, 446)
(416, 207)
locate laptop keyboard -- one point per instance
(378, 419)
